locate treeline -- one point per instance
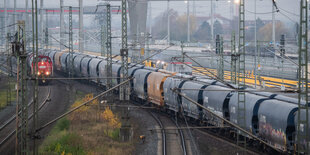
(202, 32)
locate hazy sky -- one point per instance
(289, 8)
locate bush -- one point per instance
(115, 134)
(69, 143)
(63, 124)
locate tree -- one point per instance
(265, 33)
(160, 25)
(259, 23)
(249, 30)
(179, 28)
(112, 120)
(203, 32)
(234, 24)
(249, 33)
(218, 29)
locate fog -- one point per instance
(289, 9)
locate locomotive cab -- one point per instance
(45, 67)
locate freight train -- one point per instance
(270, 117)
(45, 67)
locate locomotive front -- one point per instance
(45, 68)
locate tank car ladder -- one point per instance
(241, 75)
(302, 124)
(233, 75)
(220, 57)
(70, 43)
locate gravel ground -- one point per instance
(207, 144)
(58, 105)
(8, 148)
(9, 110)
(142, 122)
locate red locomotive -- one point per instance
(45, 67)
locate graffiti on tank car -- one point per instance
(277, 136)
(212, 119)
(233, 110)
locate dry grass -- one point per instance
(94, 133)
(3, 95)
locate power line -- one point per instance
(8, 26)
(83, 104)
(288, 12)
(288, 17)
(58, 41)
(261, 12)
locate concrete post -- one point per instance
(273, 31)
(81, 25)
(188, 23)
(62, 29)
(5, 20)
(14, 16)
(168, 23)
(41, 25)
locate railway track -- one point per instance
(271, 82)
(163, 133)
(10, 124)
(183, 143)
(12, 118)
(173, 139)
(224, 139)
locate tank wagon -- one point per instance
(269, 116)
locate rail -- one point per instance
(163, 133)
(181, 137)
(13, 132)
(227, 121)
(83, 104)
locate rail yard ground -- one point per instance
(88, 132)
(3, 91)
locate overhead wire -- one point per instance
(79, 106)
(287, 17)
(8, 26)
(215, 76)
(58, 41)
(288, 11)
(190, 133)
(260, 12)
(158, 52)
(228, 122)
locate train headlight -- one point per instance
(47, 73)
(38, 73)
